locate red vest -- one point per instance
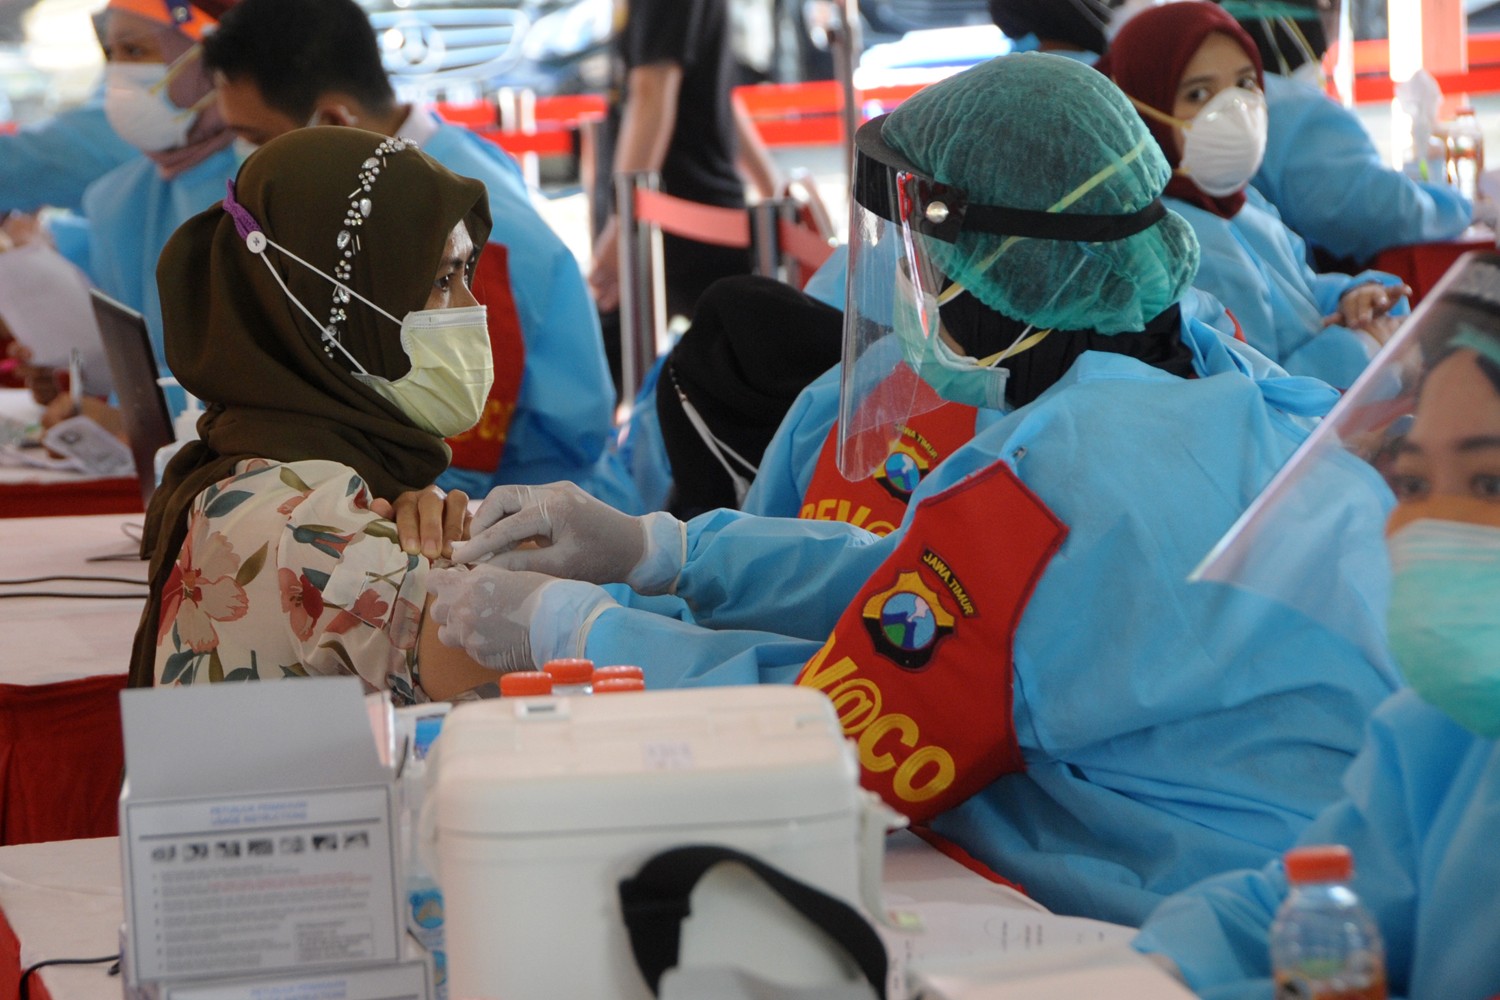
(919, 665)
(479, 448)
(878, 503)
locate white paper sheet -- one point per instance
(1113, 970)
(45, 301)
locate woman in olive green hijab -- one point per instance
(323, 315)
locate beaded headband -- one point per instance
(347, 243)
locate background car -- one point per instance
(464, 49)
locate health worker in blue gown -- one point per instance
(1420, 809)
(157, 97)
(551, 409)
(1021, 662)
(1195, 77)
(53, 161)
(1321, 169)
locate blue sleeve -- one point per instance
(643, 453)
(1218, 931)
(787, 466)
(52, 162)
(1324, 174)
(791, 576)
(677, 654)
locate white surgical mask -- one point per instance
(138, 108)
(452, 370)
(1224, 143)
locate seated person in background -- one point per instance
(331, 378)
(1053, 696)
(1322, 170)
(754, 344)
(283, 64)
(158, 97)
(1195, 77)
(1072, 28)
(1421, 804)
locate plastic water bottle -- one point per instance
(424, 900)
(1464, 152)
(1324, 946)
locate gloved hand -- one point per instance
(512, 620)
(577, 537)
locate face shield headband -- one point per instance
(906, 238)
(892, 187)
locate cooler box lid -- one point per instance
(526, 766)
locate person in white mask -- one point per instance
(158, 98)
(1195, 77)
(323, 314)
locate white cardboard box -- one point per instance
(255, 832)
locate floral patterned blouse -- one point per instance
(286, 572)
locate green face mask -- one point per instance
(1444, 618)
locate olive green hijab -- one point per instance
(376, 212)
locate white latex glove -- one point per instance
(576, 537)
(512, 620)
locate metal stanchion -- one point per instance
(846, 44)
(642, 285)
(765, 239)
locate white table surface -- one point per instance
(43, 640)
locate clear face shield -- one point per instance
(899, 361)
(1420, 429)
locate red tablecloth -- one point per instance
(61, 758)
(1422, 264)
(91, 496)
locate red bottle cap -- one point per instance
(1319, 863)
(618, 685)
(604, 673)
(524, 682)
(570, 671)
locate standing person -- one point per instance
(1421, 805)
(158, 97)
(551, 411)
(671, 111)
(1196, 79)
(1021, 661)
(332, 369)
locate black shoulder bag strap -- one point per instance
(655, 902)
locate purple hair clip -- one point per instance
(244, 222)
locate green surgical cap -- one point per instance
(1031, 131)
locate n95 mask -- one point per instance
(1224, 143)
(138, 108)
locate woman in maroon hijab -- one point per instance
(1196, 78)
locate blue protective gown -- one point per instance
(1332, 187)
(787, 466)
(1170, 731)
(564, 416)
(1258, 268)
(131, 213)
(1421, 813)
(52, 162)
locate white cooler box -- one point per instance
(537, 808)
